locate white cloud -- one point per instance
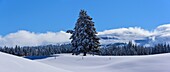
(124, 35)
(129, 31)
(26, 38)
(160, 35)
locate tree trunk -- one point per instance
(84, 53)
(72, 53)
(93, 53)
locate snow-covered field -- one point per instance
(10, 63)
(152, 63)
(69, 63)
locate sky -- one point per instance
(41, 16)
(42, 22)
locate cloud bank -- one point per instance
(123, 35)
(160, 35)
(26, 38)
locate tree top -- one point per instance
(83, 14)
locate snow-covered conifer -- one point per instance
(84, 38)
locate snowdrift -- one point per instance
(10, 63)
(152, 63)
(69, 63)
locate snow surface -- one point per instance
(10, 63)
(69, 63)
(152, 63)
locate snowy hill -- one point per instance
(153, 63)
(10, 63)
(69, 63)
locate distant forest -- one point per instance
(108, 50)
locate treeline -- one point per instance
(114, 50)
(132, 49)
(37, 50)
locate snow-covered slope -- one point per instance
(10, 63)
(152, 63)
(69, 63)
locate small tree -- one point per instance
(84, 38)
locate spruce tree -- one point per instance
(84, 38)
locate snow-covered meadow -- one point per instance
(152, 63)
(10, 63)
(69, 63)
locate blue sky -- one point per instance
(55, 15)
